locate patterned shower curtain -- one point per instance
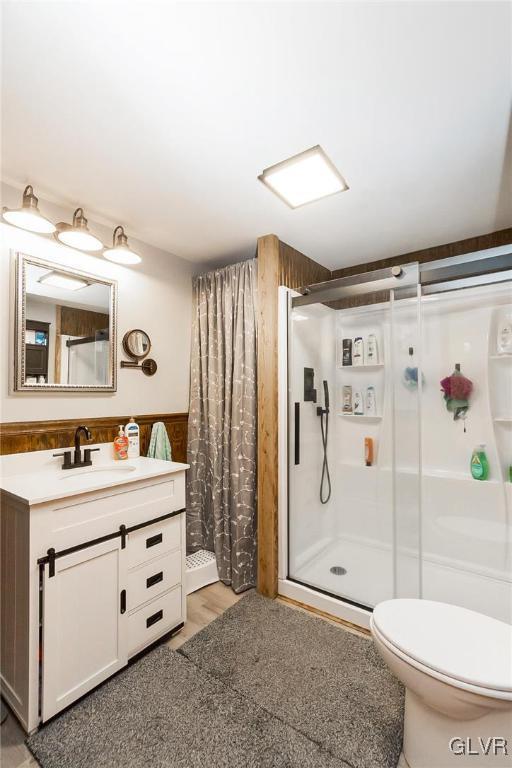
(221, 488)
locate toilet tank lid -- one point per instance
(462, 644)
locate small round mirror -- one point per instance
(136, 343)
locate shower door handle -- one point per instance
(297, 433)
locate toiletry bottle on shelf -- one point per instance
(371, 355)
(368, 451)
(121, 444)
(347, 399)
(358, 351)
(347, 352)
(504, 339)
(358, 403)
(479, 463)
(371, 404)
(132, 433)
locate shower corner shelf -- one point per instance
(360, 417)
(365, 367)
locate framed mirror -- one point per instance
(136, 344)
(65, 328)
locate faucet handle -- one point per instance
(87, 454)
(67, 459)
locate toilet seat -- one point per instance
(463, 648)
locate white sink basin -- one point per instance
(73, 474)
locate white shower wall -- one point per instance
(437, 532)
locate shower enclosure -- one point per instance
(405, 517)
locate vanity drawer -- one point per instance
(153, 620)
(153, 540)
(151, 579)
(89, 516)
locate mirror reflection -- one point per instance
(136, 343)
(67, 322)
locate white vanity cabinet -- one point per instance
(84, 634)
(90, 578)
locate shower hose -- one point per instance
(325, 465)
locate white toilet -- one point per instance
(456, 666)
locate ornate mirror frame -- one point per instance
(19, 358)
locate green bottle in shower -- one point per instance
(479, 463)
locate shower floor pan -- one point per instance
(201, 570)
(369, 579)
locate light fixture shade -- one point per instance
(59, 280)
(304, 178)
(77, 235)
(120, 252)
(29, 216)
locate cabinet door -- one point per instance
(84, 631)
(36, 361)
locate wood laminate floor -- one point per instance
(203, 607)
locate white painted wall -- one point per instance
(155, 295)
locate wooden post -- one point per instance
(268, 281)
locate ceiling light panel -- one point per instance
(58, 280)
(304, 178)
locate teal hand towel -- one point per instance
(159, 445)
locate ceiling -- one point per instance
(160, 116)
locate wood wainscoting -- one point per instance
(22, 436)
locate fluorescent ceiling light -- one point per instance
(58, 280)
(303, 178)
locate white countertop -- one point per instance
(40, 480)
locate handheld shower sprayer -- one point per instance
(326, 396)
(325, 432)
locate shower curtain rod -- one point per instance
(491, 265)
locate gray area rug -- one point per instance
(263, 685)
(163, 711)
(329, 684)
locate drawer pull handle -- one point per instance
(153, 540)
(152, 580)
(123, 601)
(154, 618)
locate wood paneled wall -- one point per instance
(297, 270)
(458, 248)
(81, 322)
(18, 437)
(278, 264)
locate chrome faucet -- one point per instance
(77, 458)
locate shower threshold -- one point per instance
(369, 580)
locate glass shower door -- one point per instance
(354, 460)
